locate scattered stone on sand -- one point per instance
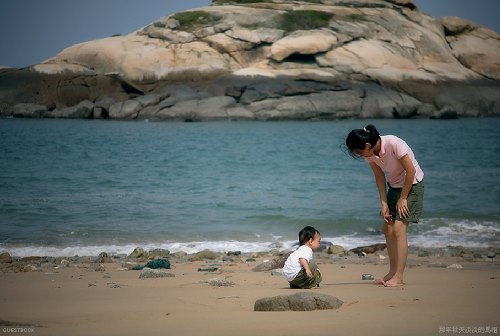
(218, 282)
(455, 266)
(208, 269)
(148, 273)
(100, 268)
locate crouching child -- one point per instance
(299, 269)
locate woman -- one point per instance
(402, 202)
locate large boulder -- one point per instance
(302, 301)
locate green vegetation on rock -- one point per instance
(235, 2)
(195, 19)
(305, 20)
(230, 2)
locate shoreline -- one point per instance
(214, 294)
(37, 263)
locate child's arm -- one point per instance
(303, 262)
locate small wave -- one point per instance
(444, 232)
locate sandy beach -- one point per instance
(79, 300)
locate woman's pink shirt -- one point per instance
(392, 149)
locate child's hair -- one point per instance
(358, 138)
(307, 233)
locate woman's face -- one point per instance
(366, 152)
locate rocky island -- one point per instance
(270, 60)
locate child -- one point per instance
(299, 270)
(402, 202)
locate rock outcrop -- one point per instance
(270, 60)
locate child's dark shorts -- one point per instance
(415, 202)
(303, 281)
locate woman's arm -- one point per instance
(382, 191)
(402, 205)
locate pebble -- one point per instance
(100, 268)
(208, 269)
(217, 282)
(367, 277)
(491, 255)
(456, 266)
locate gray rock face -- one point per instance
(302, 301)
(359, 58)
(29, 110)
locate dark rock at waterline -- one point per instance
(445, 113)
(5, 257)
(158, 253)
(138, 253)
(369, 249)
(103, 258)
(203, 255)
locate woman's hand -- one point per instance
(384, 212)
(402, 208)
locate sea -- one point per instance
(82, 187)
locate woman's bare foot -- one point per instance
(383, 280)
(393, 283)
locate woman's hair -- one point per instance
(307, 233)
(358, 138)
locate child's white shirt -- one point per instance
(292, 265)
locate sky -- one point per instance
(32, 31)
